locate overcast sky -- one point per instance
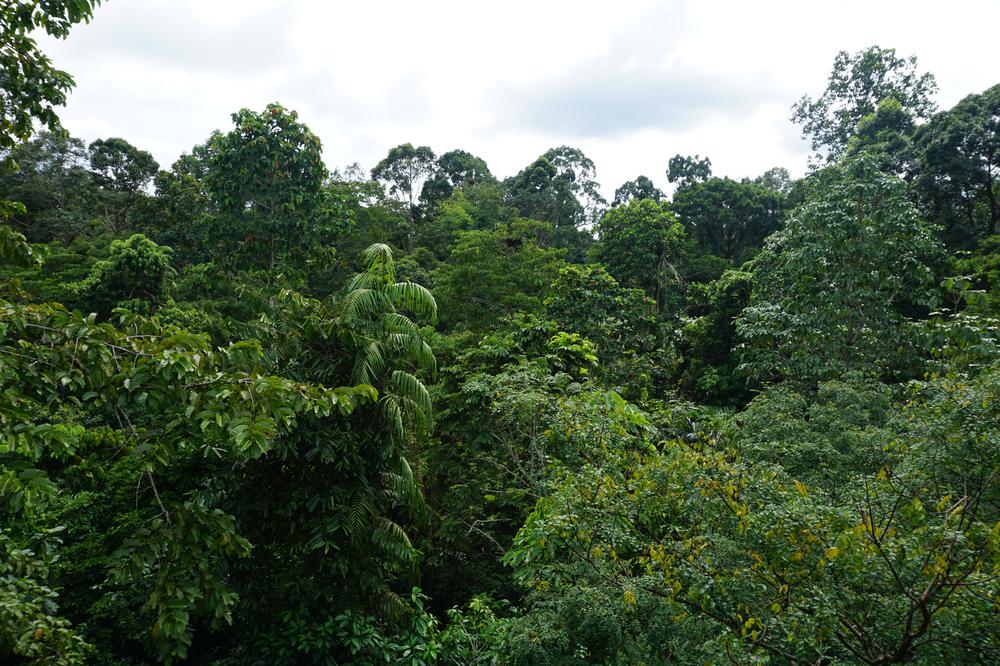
(631, 83)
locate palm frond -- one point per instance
(361, 303)
(378, 260)
(399, 323)
(393, 541)
(369, 363)
(409, 488)
(413, 389)
(394, 416)
(390, 605)
(414, 348)
(414, 297)
(362, 281)
(422, 354)
(359, 515)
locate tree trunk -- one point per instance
(994, 207)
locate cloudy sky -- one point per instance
(629, 82)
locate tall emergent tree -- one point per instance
(404, 171)
(888, 134)
(123, 172)
(120, 166)
(686, 170)
(267, 176)
(558, 187)
(455, 168)
(726, 218)
(858, 84)
(640, 188)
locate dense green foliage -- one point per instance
(834, 287)
(252, 412)
(858, 84)
(32, 87)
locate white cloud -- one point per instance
(631, 82)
